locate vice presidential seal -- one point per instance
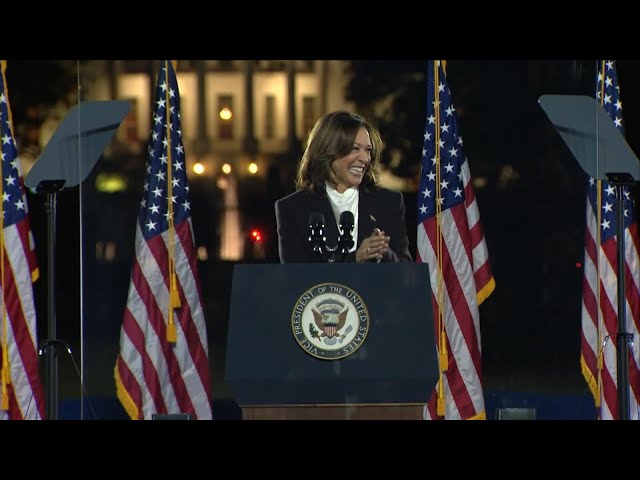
(330, 321)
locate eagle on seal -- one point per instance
(330, 323)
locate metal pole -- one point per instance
(51, 347)
(51, 189)
(622, 338)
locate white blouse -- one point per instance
(341, 202)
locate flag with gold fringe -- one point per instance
(451, 240)
(22, 394)
(163, 365)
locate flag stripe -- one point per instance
(458, 314)
(28, 249)
(195, 335)
(460, 232)
(140, 365)
(461, 331)
(22, 358)
(195, 339)
(155, 295)
(133, 396)
(462, 405)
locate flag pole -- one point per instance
(600, 319)
(174, 296)
(5, 374)
(442, 333)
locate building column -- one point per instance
(293, 143)
(323, 73)
(201, 145)
(250, 141)
(152, 72)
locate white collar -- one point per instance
(348, 197)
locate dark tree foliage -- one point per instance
(38, 83)
(398, 88)
(35, 85)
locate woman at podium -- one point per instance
(338, 212)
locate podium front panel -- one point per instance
(395, 363)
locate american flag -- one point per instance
(451, 240)
(600, 281)
(163, 364)
(22, 394)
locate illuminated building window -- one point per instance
(270, 116)
(225, 117)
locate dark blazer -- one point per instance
(380, 208)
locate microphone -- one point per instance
(345, 239)
(316, 233)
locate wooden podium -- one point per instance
(334, 412)
(331, 341)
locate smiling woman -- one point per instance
(348, 171)
(337, 180)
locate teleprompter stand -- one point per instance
(66, 161)
(603, 153)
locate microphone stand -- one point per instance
(317, 238)
(345, 240)
(319, 242)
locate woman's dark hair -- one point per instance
(332, 137)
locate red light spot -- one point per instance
(256, 235)
(578, 265)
